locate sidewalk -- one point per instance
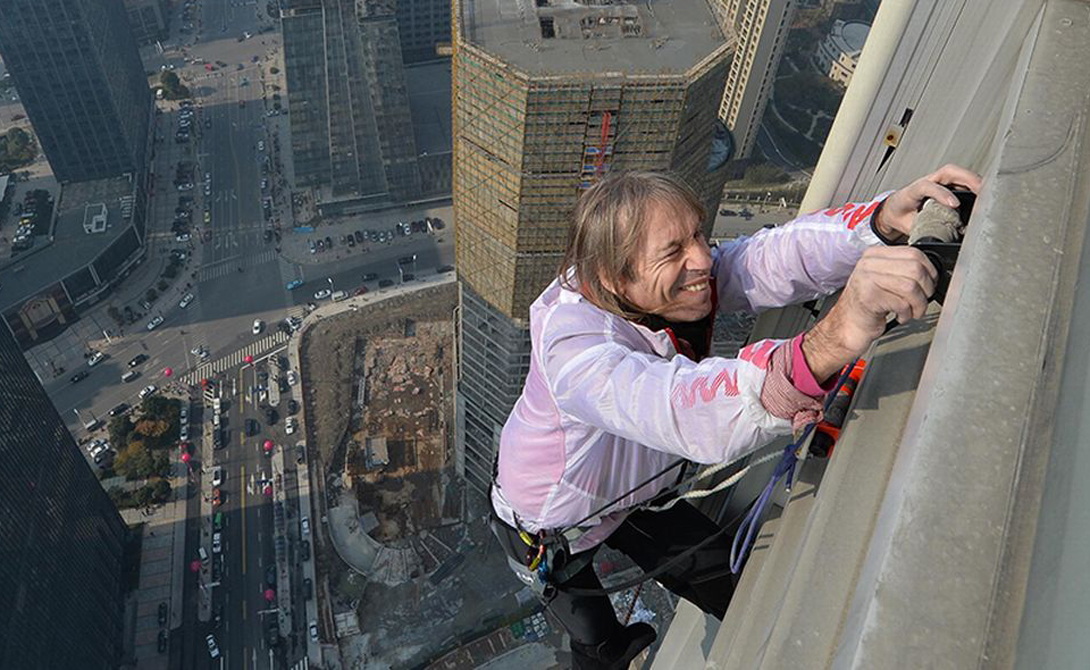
(162, 571)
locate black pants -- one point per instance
(650, 539)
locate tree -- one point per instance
(135, 462)
(169, 80)
(161, 490)
(152, 427)
(119, 428)
(151, 295)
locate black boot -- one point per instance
(616, 652)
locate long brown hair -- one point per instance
(608, 229)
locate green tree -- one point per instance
(151, 295)
(119, 428)
(135, 462)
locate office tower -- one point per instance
(350, 129)
(548, 99)
(761, 28)
(80, 78)
(61, 539)
(148, 19)
(422, 24)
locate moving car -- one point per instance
(163, 610)
(79, 376)
(304, 552)
(270, 575)
(370, 276)
(258, 326)
(217, 476)
(217, 543)
(161, 645)
(95, 359)
(119, 409)
(148, 390)
(154, 323)
(304, 524)
(313, 632)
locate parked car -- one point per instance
(293, 407)
(294, 284)
(323, 294)
(359, 236)
(290, 425)
(95, 359)
(155, 322)
(164, 639)
(163, 611)
(383, 283)
(304, 551)
(213, 649)
(300, 453)
(313, 631)
(292, 379)
(308, 588)
(270, 575)
(186, 300)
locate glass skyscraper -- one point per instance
(78, 73)
(61, 538)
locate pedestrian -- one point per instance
(622, 384)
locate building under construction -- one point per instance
(549, 97)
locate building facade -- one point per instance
(545, 106)
(349, 105)
(422, 25)
(148, 19)
(760, 28)
(61, 538)
(838, 53)
(76, 67)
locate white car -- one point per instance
(154, 323)
(292, 379)
(99, 448)
(186, 300)
(289, 425)
(258, 326)
(261, 145)
(304, 523)
(148, 390)
(183, 432)
(217, 543)
(95, 359)
(213, 650)
(185, 187)
(181, 237)
(217, 476)
(323, 294)
(313, 631)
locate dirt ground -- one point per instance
(384, 375)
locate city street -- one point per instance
(239, 262)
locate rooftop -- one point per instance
(576, 36)
(49, 261)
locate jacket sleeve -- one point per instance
(709, 412)
(808, 257)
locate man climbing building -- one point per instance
(621, 385)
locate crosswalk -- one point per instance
(231, 264)
(301, 664)
(256, 349)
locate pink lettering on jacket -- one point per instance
(686, 397)
(758, 353)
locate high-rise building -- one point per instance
(79, 75)
(422, 24)
(61, 538)
(761, 27)
(549, 97)
(148, 19)
(349, 106)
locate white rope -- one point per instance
(726, 483)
